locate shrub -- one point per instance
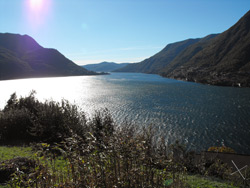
(19, 165)
(27, 120)
(14, 126)
(222, 149)
(121, 157)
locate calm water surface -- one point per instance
(198, 115)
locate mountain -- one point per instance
(22, 57)
(156, 63)
(218, 59)
(104, 66)
(185, 55)
(223, 61)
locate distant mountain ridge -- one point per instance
(22, 57)
(104, 66)
(218, 59)
(156, 63)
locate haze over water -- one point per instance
(198, 115)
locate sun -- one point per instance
(36, 4)
(37, 12)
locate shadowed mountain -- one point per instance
(104, 66)
(222, 59)
(187, 54)
(22, 57)
(160, 60)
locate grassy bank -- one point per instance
(60, 169)
(12, 152)
(198, 181)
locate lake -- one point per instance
(198, 115)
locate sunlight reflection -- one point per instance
(46, 88)
(81, 90)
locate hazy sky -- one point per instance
(91, 31)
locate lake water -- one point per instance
(197, 115)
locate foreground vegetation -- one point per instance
(58, 167)
(13, 152)
(71, 150)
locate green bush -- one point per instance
(14, 125)
(121, 158)
(27, 120)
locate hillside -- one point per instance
(104, 66)
(22, 57)
(187, 54)
(222, 59)
(157, 62)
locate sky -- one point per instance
(92, 31)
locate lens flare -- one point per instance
(37, 13)
(36, 4)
